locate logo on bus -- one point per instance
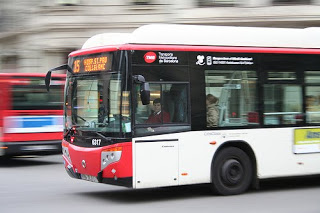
(150, 57)
(200, 59)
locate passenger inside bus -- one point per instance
(310, 103)
(312, 109)
(212, 110)
(158, 114)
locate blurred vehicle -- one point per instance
(262, 78)
(31, 119)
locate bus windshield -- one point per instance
(93, 102)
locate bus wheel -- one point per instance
(231, 172)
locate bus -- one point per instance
(233, 106)
(31, 120)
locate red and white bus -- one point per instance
(262, 122)
(31, 120)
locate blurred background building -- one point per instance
(36, 35)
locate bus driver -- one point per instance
(158, 114)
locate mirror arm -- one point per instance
(48, 76)
(62, 67)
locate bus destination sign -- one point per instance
(89, 64)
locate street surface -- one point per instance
(40, 184)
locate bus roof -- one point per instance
(200, 35)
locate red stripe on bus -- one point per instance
(20, 137)
(33, 112)
(94, 50)
(30, 75)
(188, 48)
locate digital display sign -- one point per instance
(96, 63)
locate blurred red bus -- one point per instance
(31, 119)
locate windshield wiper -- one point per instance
(104, 137)
(73, 127)
(78, 116)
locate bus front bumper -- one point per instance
(91, 164)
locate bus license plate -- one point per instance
(89, 178)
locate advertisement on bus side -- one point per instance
(306, 140)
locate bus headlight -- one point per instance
(65, 153)
(110, 155)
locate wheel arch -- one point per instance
(244, 146)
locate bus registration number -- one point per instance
(96, 142)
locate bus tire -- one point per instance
(231, 172)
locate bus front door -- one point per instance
(155, 163)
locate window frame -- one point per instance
(256, 100)
(288, 67)
(40, 89)
(162, 124)
(306, 85)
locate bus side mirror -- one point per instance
(145, 93)
(144, 89)
(47, 80)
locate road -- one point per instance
(40, 184)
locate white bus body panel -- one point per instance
(156, 164)
(190, 158)
(274, 150)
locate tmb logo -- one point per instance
(150, 57)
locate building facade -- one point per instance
(36, 35)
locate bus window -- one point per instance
(176, 102)
(168, 105)
(312, 98)
(143, 111)
(282, 101)
(86, 101)
(231, 98)
(96, 103)
(33, 96)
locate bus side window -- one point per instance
(312, 97)
(282, 101)
(282, 104)
(312, 107)
(173, 100)
(142, 112)
(179, 103)
(168, 106)
(231, 98)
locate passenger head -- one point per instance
(157, 105)
(211, 99)
(310, 100)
